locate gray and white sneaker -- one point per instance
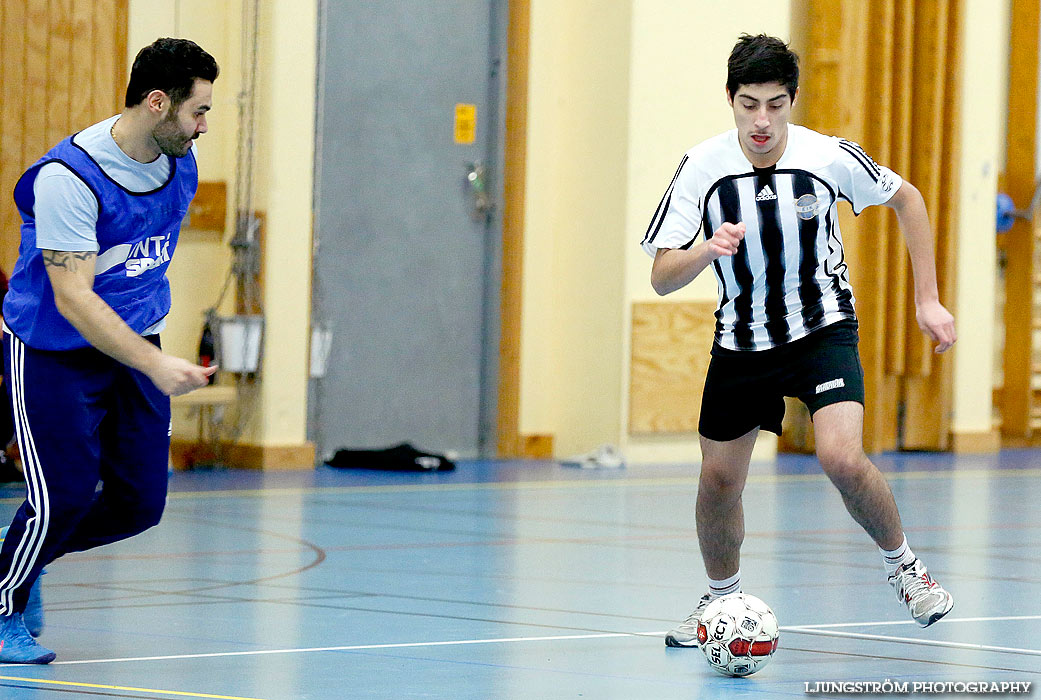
(924, 597)
(686, 633)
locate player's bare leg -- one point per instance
(721, 523)
(839, 433)
(720, 515)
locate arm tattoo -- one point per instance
(66, 259)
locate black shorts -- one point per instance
(744, 390)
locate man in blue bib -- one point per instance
(89, 382)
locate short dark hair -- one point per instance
(170, 65)
(762, 59)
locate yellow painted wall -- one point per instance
(283, 190)
(202, 259)
(617, 92)
(286, 164)
(677, 99)
(984, 100)
(574, 231)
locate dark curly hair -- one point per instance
(170, 65)
(762, 59)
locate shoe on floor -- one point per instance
(603, 457)
(33, 615)
(686, 633)
(17, 646)
(925, 598)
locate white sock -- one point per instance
(894, 559)
(726, 586)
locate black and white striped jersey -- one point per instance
(788, 277)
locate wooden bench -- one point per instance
(210, 402)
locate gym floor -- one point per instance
(531, 580)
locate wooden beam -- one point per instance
(120, 33)
(901, 27)
(514, 173)
(927, 393)
(1020, 241)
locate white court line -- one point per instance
(946, 621)
(909, 640)
(825, 630)
(357, 647)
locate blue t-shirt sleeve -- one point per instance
(66, 211)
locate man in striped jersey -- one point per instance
(765, 196)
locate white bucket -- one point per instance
(238, 348)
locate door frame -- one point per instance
(514, 171)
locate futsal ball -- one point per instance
(738, 633)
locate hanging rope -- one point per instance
(245, 244)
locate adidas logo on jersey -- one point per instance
(765, 194)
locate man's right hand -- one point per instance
(675, 268)
(726, 239)
(174, 376)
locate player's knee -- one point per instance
(720, 482)
(66, 511)
(68, 505)
(846, 467)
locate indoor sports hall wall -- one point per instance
(617, 91)
(574, 233)
(282, 177)
(677, 53)
(677, 77)
(901, 92)
(198, 269)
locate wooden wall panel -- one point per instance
(209, 209)
(59, 70)
(670, 355)
(895, 93)
(105, 62)
(1021, 242)
(897, 154)
(12, 39)
(36, 88)
(928, 393)
(12, 109)
(63, 68)
(82, 71)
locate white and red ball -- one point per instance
(738, 634)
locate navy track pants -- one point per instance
(81, 418)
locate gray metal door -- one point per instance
(407, 266)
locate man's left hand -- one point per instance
(937, 323)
